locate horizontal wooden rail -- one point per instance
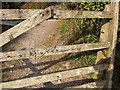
(22, 54)
(64, 14)
(11, 14)
(52, 77)
(24, 26)
(97, 84)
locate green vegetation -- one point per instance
(82, 60)
(77, 31)
(86, 5)
(86, 31)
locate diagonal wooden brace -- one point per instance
(56, 50)
(24, 26)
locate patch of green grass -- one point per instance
(80, 31)
(63, 30)
(82, 59)
(76, 31)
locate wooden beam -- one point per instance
(113, 36)
(64, 14)
(24, 26)
(11, 14)
(97, 84)
(52, 77)
(104, 37)
(22, 54)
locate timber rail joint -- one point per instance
(107, 42)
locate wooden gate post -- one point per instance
(109, 33)
(113, 39)
(104, 37)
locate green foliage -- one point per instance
(86, 5)
(63, 28)
(82, 59)
(82, 30)
(87, 31)
(63, 31)
(78, 31)
(90, 38)
(12, 5)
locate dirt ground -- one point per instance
(42, 36)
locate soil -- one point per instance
(42, 36)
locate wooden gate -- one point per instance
(107, 41)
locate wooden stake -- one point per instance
(113, 38)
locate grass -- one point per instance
(79, 31)
(62, 31)
(82, 59)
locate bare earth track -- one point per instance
(42, 36)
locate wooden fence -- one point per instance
(107, 41)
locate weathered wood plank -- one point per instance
(24, 26)
(113, 37)
(97, 84)
(64, 14)
(104, 37)
(16, 55)
(51, 77)
(11, 14)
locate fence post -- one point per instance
(113, 38)
(101, 55)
